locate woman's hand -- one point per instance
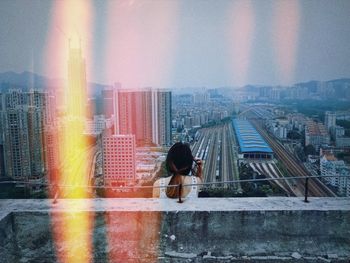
(199, 163)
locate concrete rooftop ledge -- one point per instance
(154, 204)
(277, 229)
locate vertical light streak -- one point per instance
(140, 47)
(285, 30)
(241, 33)
(68, 44)
(140, 42)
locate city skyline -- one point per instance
(197, 44)
(174, 130)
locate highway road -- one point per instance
(215, 146)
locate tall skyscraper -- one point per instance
(22, 121)
(52, 160)
(107, 97)
(16, 144)
(77, 87)
(330, 119)
(144, 113)
(119, 159)
(2, 161)
(161, 121)
(133, 114)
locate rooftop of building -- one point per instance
(330, 157)
(316, 128)
(171, 205)
(274, 229)
(248, 138)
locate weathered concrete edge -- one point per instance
(151, 204)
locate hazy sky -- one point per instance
(168, 43)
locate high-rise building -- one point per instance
(161, 122)
(36, 140)
(73, 154)
(119, 163)
(107, 98)
(2, 161)
(51, 137)
(330, 120)
(22, 120)
(144, 113)
(77, 90)
(133, 115)
(96, 126)
(201, 97)
(16, 144)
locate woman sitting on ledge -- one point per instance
(183, 169)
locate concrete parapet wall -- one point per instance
(151, 230)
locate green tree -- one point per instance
(309, 150)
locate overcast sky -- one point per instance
(168, 43)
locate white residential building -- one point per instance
(95, 126)
(331, 166)
(330, 119)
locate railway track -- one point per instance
(293, 167)
(219, 165)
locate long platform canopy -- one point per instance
(250, 141)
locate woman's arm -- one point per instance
(156, 190)
(199, 168)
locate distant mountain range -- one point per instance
(27, 80)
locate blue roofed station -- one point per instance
(251, 144)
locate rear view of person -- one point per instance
(183, 169)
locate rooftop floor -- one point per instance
(274, 229)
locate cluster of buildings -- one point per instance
(337, 132)
(327, 138)
(319, 90)
(315, 133)
(35, 124)
(140, 118)
(193, 110)
(279, 127)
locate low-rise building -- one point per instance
(119, 162)
(342, 142)
(316, 134)
(331, 166)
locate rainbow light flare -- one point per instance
(70, 26)
(241, 32)
(285, 28)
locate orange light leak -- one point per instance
(241, 33)
(67, 47)
(286, 26)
